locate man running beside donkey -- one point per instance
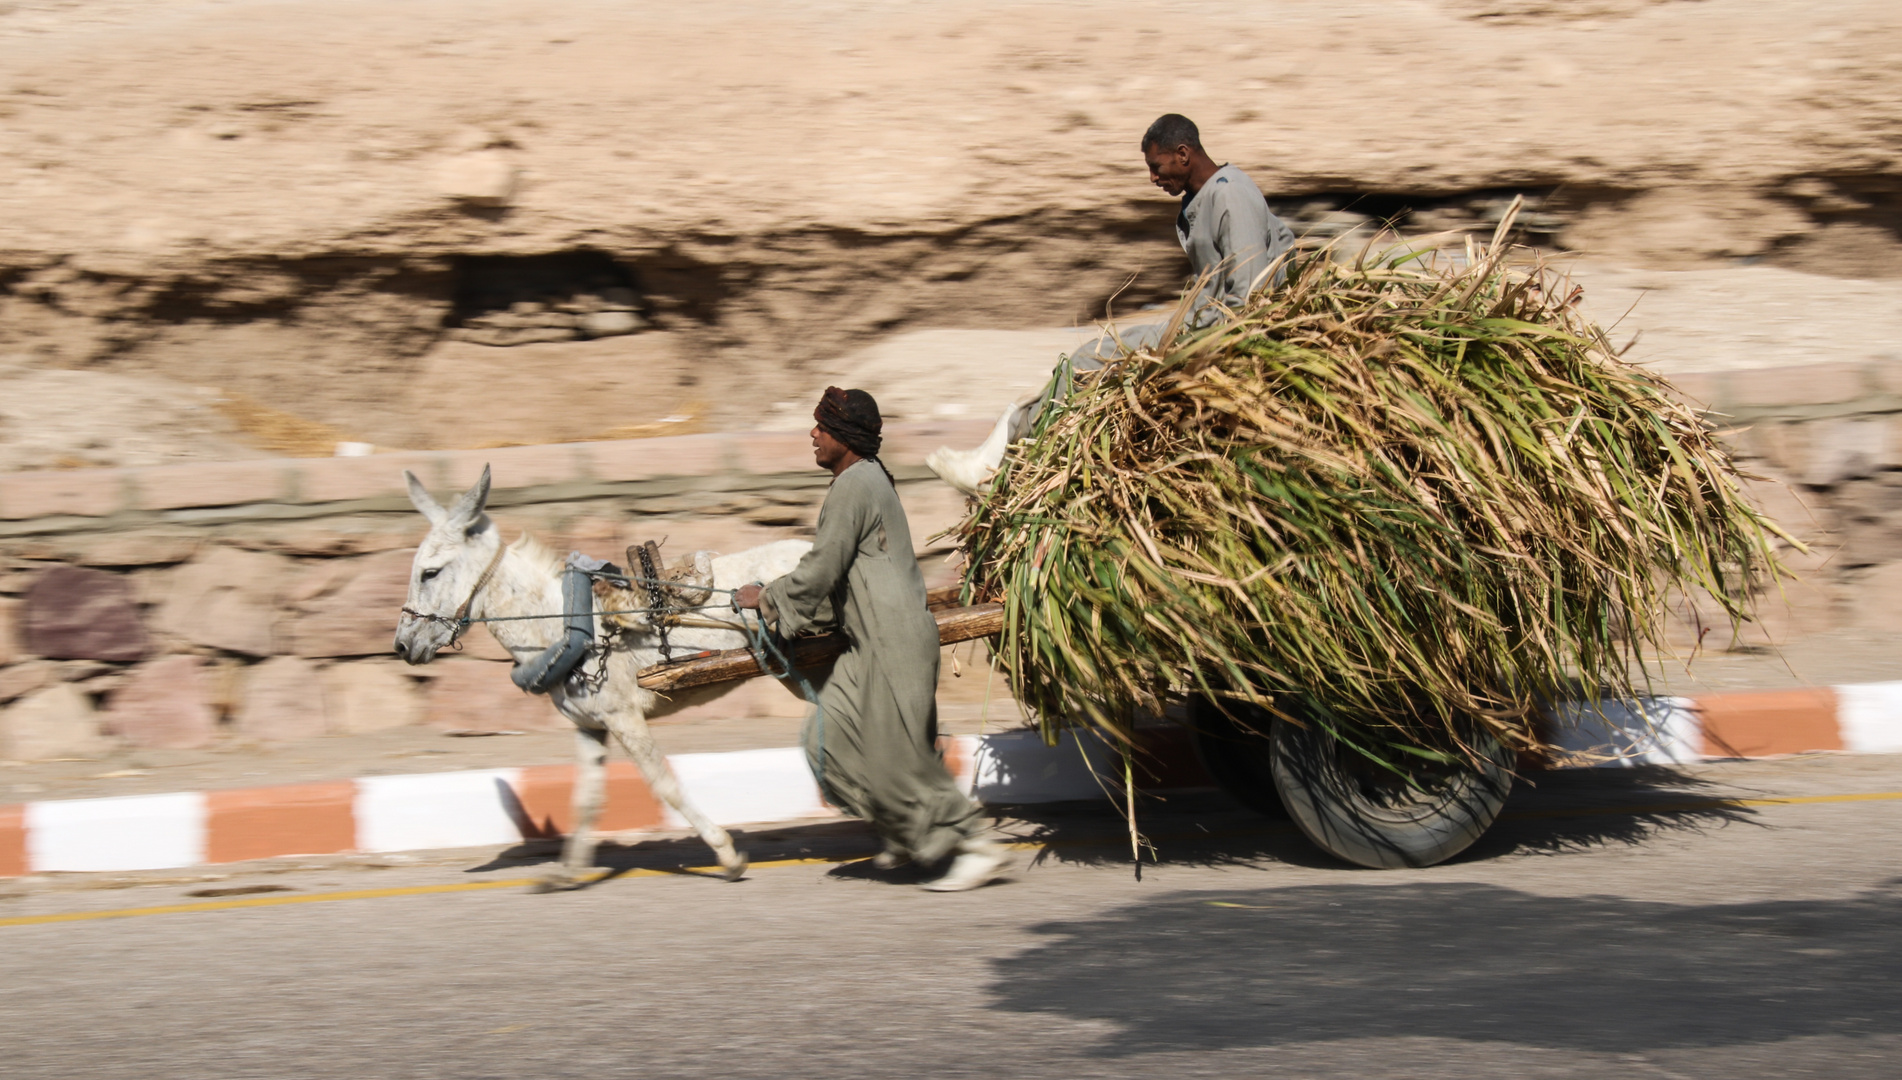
(872, 742)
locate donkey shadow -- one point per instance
(829, 841)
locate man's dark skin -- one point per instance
(830, 454)
(1181, 169)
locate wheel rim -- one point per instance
(1364, 813)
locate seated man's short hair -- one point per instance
(1170, 131)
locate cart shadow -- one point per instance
(1474, 962)
(1548, 813)
(1570, 810)
(1182, 828)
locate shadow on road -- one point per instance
(1579, 809)
(833, 840)
(1548, 813)
(1551, 813)
(1268, 967)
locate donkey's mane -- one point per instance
(537, 553)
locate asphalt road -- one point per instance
(1617, 923)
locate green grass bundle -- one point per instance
(1418, 496)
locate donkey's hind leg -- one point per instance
(577, 851)
(630, 728)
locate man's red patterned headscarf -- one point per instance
(851, 416)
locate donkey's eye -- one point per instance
(428, 574)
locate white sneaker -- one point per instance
(979, 862)
(890, 859)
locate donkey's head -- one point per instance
(453, 563)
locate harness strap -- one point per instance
(460, 621)
(462, 613)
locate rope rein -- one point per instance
(763, 642)
(460, 621)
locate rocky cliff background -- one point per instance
(437, 224)
(238, 232)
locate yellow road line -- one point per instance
(363, 894)
(523, 883)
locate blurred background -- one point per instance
(267, 232)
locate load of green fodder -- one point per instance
(1410, 490)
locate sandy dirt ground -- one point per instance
(1674, 321)
(312, 203)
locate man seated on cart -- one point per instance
(872, 741)
(1235, 246)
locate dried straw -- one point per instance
(1418, 492)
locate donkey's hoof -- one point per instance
(556, 883)
(736, 869)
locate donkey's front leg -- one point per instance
(577, 851)
(630, 728)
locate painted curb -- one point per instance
(504, 806)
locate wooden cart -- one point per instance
(1348, 807)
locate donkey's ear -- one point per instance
(468, 510)
(424, 502)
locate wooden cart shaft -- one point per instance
(955, 624)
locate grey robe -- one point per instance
(1228, 232)
(874, 739)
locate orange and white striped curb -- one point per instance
(1863, 719)
(502, 806)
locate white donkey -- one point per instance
(463, 570)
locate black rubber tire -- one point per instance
(1362, 814)
(1236, 751)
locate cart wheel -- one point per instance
(1235, 749)
(1358, 811)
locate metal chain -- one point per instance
(593, 683)
(658, 613)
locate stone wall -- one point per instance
(1827, 441)
(254, 602)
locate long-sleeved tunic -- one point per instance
(873, 740)
(1230, 235)
(1228, 232)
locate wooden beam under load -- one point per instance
(955, 624)
(941, 598)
